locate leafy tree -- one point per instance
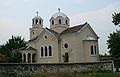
(114, 44)
(116, 18)
(114, 38)
(10, 49)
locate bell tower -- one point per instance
(37, 26)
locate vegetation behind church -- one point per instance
(10, 49)
(114, 38)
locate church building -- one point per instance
(60, 43)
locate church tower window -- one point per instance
(33, 32)
(45, 50)
(36, 21)
(59, 21)
(40, 22)
(41, 51)
(66, 22)
(52, 22)
(33, 22)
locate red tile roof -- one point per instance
(72, 29)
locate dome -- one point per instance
(37, 20)
(59, 14)
(37, 17)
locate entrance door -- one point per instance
(66, 57)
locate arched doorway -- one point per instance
(29, 58)
(33, 58)
(66, 57)
(24, 57)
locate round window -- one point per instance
(66, 45)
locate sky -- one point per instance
(16, 16)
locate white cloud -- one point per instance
(101, 21)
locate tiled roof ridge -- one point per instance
(73, 29)
(52, 31)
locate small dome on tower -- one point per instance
(37, 17)
(37, 20)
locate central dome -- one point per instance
(59, 14)
(59, 22)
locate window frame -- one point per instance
(40, 22)
(42, 50)
(52, 22)
(36, 21)
(46, 54)
(50, 51)
(46, 51)
(60, 21)
(66, 22)
(94, 49)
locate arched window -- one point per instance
(50, 51)
(59, 21)
(40, 22)
(33, 22)
(42, 52)
(36, 21)
(34, 58)
(66, 22)
(95, 49)
(33, 32)
(92, 50)
(52, 22)
(45, 50)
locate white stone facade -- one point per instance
(61, 43)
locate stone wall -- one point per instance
(21, 69)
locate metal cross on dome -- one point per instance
(37, 13)
(59, 9)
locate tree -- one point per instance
(116, 18)
(114, 44)
(114, 38)
(10, 49)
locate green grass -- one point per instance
(62, 74)
(67, 74)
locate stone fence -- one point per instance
(23, 68)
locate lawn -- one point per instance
(75, 75)
(67, 74)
